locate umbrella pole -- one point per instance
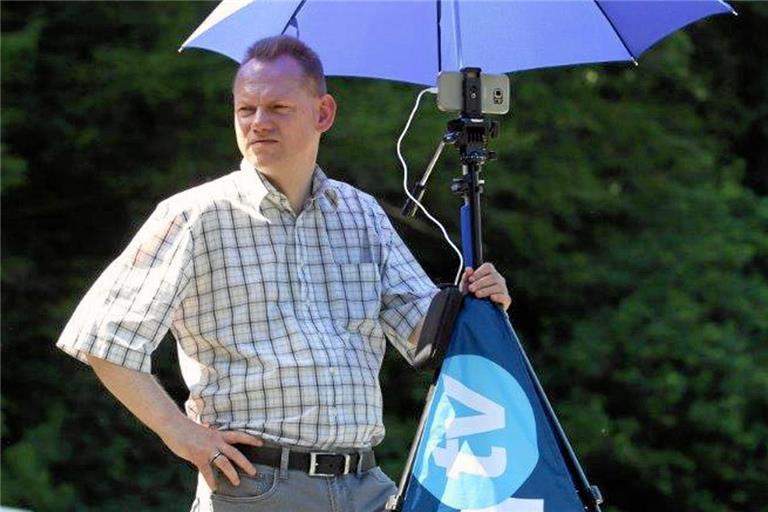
(470, 186)
(471, 142)
(470, 134)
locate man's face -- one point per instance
(278, 118)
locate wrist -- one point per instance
(173, 427)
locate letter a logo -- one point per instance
(480, 442)
(490, 417)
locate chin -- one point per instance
(261, 162)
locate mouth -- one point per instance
(262, 142)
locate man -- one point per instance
(280, 286)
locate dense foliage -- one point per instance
(627, 209)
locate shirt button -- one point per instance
(333, 371)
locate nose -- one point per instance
(261, 120)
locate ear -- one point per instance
(326, 113)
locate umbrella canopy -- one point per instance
(413, 40)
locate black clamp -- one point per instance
(437, 328)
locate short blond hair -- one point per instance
(270, 49)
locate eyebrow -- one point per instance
(270, 101)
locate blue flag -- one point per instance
(488, 444)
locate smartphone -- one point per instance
(495, 92)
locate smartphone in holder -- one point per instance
(495, 92)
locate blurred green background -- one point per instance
(627, 209)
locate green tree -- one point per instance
(627, 209)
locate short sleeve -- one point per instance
(406, 291)
(129, 309)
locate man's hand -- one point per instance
(143, 395)
(202, 445)
(486, 282)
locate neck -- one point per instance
(296, 185)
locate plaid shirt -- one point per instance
(280, 319)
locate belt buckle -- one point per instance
(313, 462)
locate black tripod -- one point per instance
(470, 134)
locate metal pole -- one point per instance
(475, 190)
(590, 494)
(395, 502)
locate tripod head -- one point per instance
(472, 130)
(469, 133)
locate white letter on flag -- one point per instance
(463, 460)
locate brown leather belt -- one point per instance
(312, 463)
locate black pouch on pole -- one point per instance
(438, 327)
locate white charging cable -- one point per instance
(433, 90)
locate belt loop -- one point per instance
(284, 454)
(359, 463)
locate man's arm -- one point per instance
(413, 339)
(143, 395)
(485, 282)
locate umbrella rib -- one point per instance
(293, 16)
(615, 31)
(457, 34)
(439, 37)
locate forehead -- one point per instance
(282, 77)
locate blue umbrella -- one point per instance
(412, 41)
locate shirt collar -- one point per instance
(258, 185)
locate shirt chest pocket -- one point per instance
(355, 294)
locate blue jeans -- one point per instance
(286, 490)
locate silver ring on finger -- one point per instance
(215, 456)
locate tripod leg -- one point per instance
(396, 501)
(589, 494)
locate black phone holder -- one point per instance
(470, 134)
